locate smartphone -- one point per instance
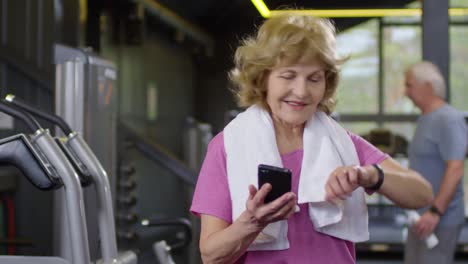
(279, 178)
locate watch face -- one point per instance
(380, 174)
(434, 210)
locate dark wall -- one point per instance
(27, 32)
(186, 86)
(213, 94)
(165, 65)
(158, 61)
(34, 219)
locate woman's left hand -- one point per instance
(344, 180)
(341, 183)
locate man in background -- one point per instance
(437, 152)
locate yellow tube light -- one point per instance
(355, 12)
(262, 8)
(265, 12)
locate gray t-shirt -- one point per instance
(440, 136)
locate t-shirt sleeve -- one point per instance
(453, 138)
(367, 153)
(212, 196)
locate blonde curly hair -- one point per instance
(284, 40)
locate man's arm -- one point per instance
(429, 220)
(448, 187)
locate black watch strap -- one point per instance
(380, 181)
(435, 210)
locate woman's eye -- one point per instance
(287, 77)
(316, 79)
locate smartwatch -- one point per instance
(435, 210)
(379, 182)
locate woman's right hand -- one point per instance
(223, 242)
(265, 213)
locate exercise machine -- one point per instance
(46, 167)
(84, 160)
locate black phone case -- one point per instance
(279, 178)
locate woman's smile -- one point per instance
(295, 105)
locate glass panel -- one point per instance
(417, 19)
(459, 67)
(459, 19)
(404, 129)
(357, 90)
(402, 46)
(392, 138)
(402, 20)
(458, 3)
(414, 19)
(359, 128)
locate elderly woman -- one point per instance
(287, 77)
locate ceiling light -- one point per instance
(262, 8)
(386, 12)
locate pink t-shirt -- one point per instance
(212, 197)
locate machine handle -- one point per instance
(57, 120)
(25, 117)
(181, 222)
(83, 173)
(18, 152)
(86, 179)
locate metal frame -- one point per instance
(85, 99)
(72, 226)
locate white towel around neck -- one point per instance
(250, 140)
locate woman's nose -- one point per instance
(300, 87)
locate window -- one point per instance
(458, 3)
(359, 128)
(368, 98)
(358, 86)
(404, 129)
(371, 90)
(402, 47)
(459, 67)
